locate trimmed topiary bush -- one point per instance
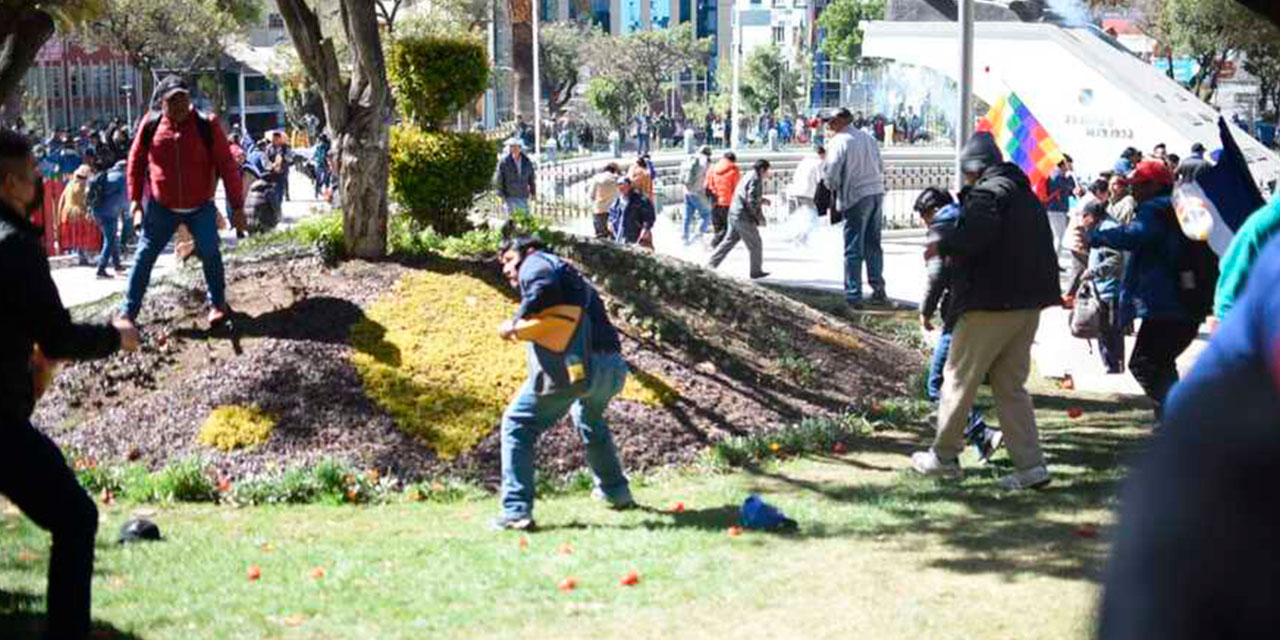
(434, 77)
(435, 176)
(229, 428)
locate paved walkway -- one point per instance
(80, 285)
(819, 265)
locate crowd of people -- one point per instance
(90, 213)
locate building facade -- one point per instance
(73, 84)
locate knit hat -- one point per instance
(979, 153)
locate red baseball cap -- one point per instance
(1151, 171)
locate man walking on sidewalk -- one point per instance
(694, 175)
(854, 172)
(746, 216)
(180, 153)
(38, 330)
(1006, 243)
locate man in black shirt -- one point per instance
(38, 331)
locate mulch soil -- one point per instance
(730, 348)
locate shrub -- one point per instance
(408, 239)
(433, 77)
(435, 176)
(229, 428)
(183, 481)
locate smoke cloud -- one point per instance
(1073, 12)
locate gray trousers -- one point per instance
(740, 228)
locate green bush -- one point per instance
(434, 77)
(408, 238)
(435, 176)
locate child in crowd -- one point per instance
(941, 214)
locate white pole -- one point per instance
(244, 112)
(737, 76)
(965, 128)
(537, 85)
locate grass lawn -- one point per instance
(881, 554)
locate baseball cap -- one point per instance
(171, 85)
(1152, 171)
(705, 149)
(623, 180)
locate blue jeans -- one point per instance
(158, 226)
(642, 143)
(110, 243)
(1111, 343)
(529, 414)
(516, 205)
(933, 385)
(695, 203)
(862, 224)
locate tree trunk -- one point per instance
(358, 113)
(23, 31)
(363, 146)
(522, 55)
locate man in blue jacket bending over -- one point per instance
(578, 376)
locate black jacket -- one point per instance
(34, 315)
(1007, 246)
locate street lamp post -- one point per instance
(966, 84)
(128, 103)
(537, 84)
(737, 77)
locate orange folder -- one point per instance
(551, 329)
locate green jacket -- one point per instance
(1241, 253)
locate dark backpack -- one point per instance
(148, 130)
(822, 199)
(1196, 272)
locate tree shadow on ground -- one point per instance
(983, 529)
(22, 616)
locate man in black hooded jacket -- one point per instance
(1012, 273)
(36, 331)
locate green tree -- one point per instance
(25, 25)
(769, 84)
(842, 21)
(561, 45)
(649, 60)
(1262, 61)
(161, 34)
(1210, 32)
(613, 98)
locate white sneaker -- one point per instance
(1033, 478)
(927, 463)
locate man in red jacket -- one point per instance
(180, 154)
